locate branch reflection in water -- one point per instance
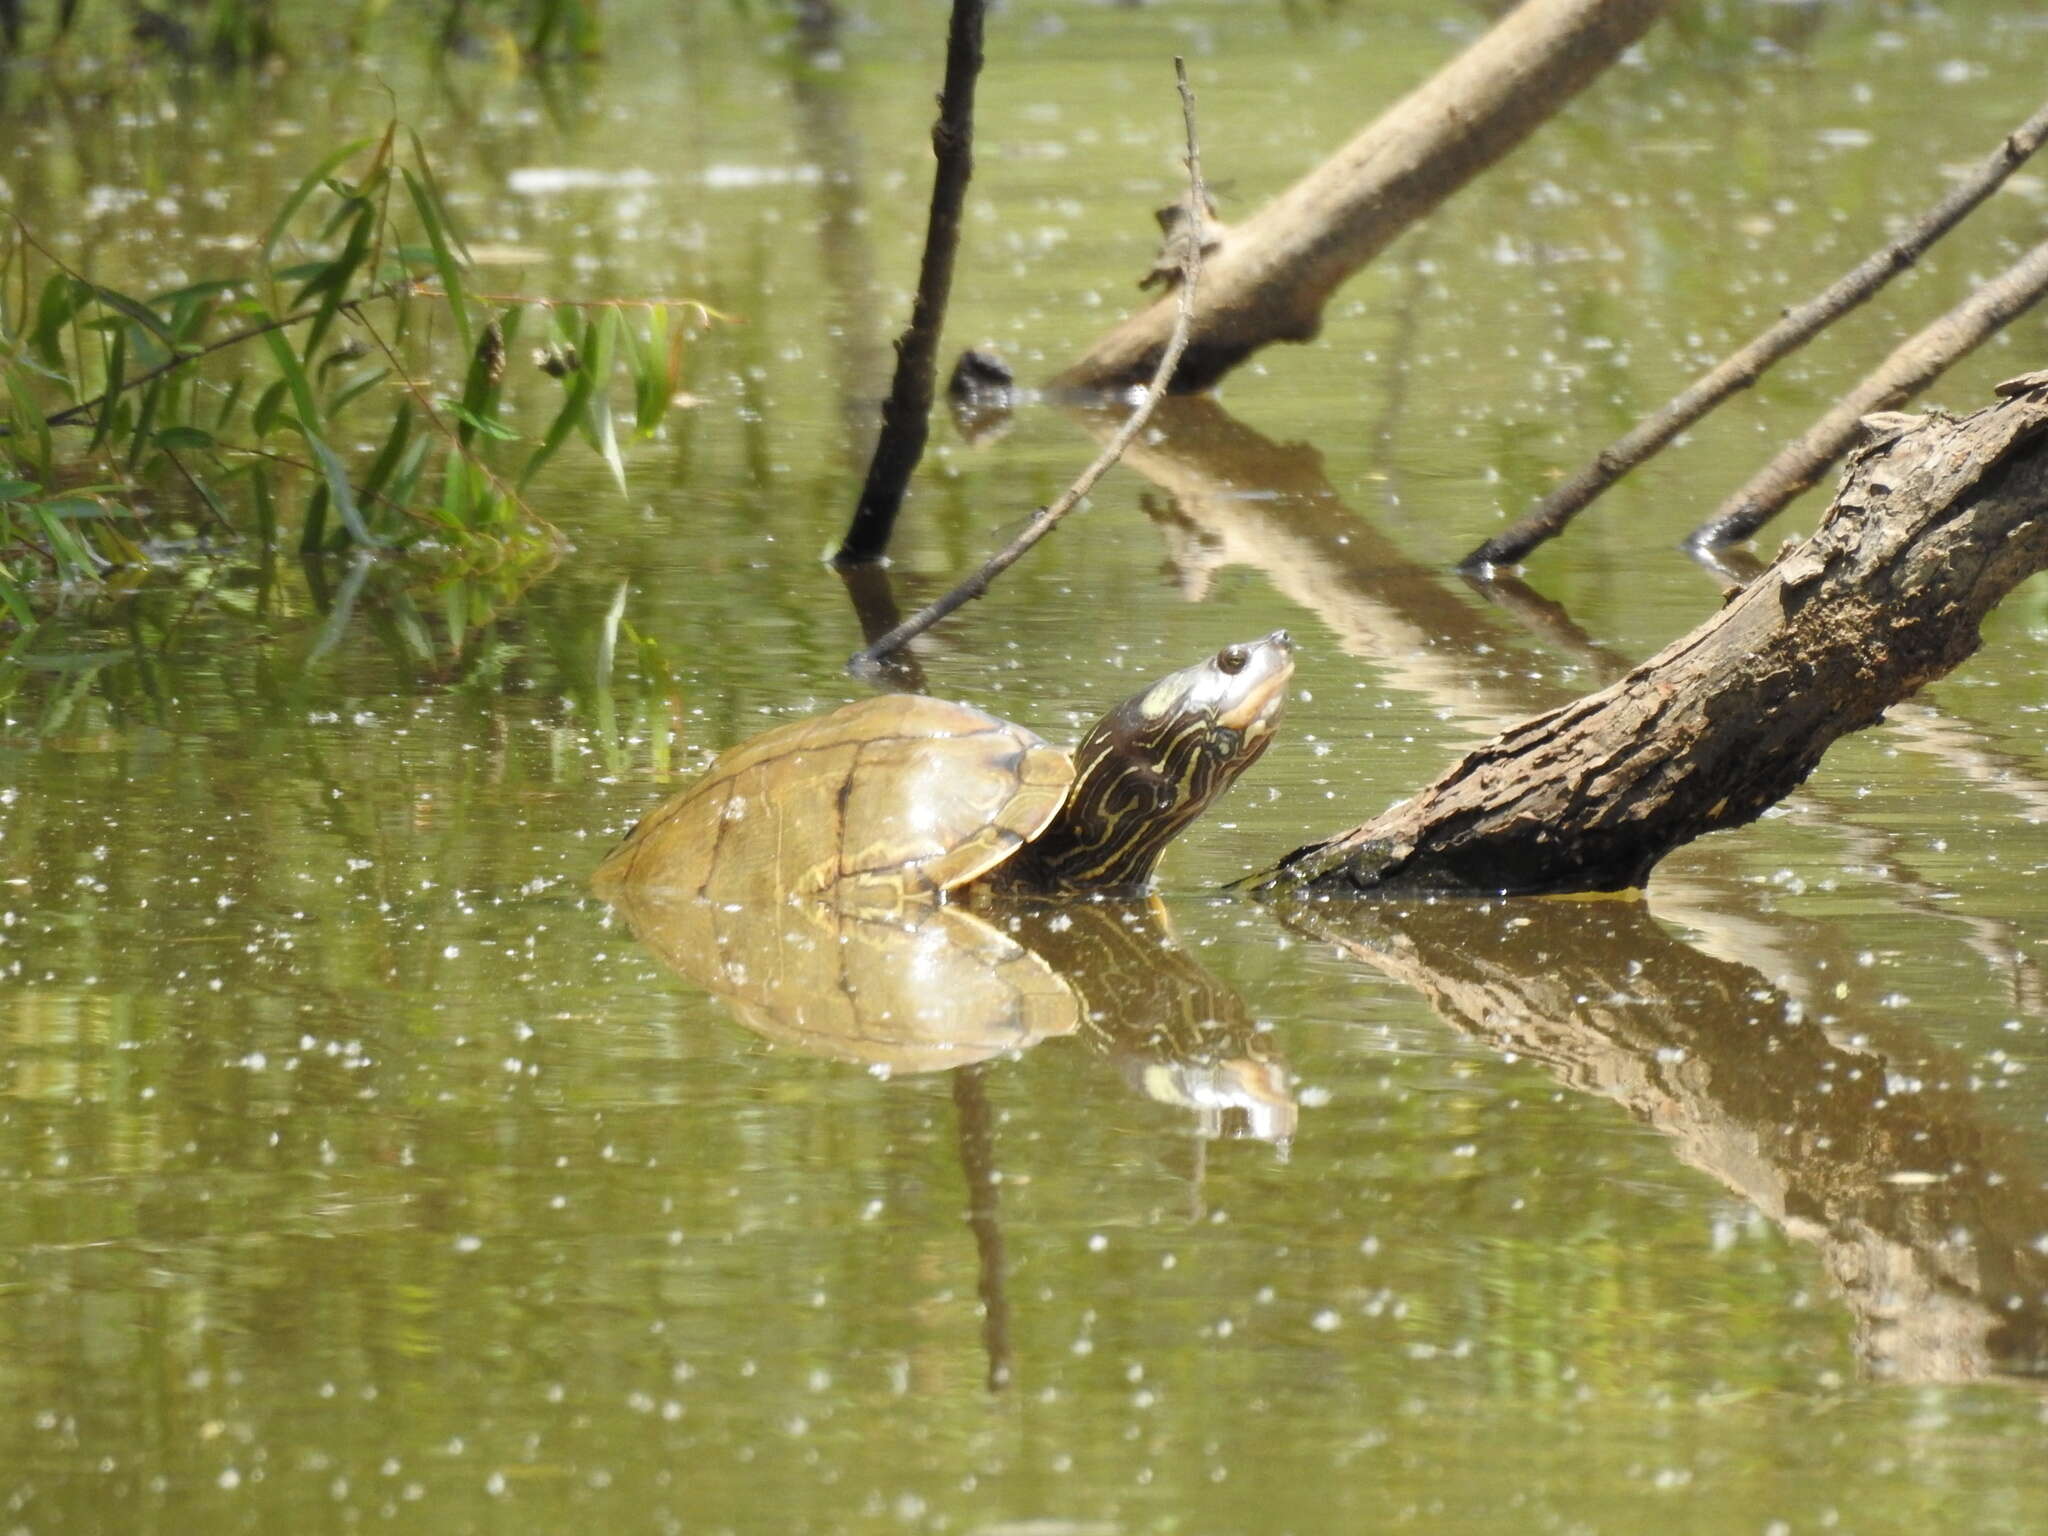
(929, 988)
(1927, 1214)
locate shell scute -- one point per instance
(880, 801)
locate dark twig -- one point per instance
(1048, 517)
(906, 414)
(1916, 363)
(85, 408)
(1742, 368)
(205, 496)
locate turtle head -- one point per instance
(1156, 762)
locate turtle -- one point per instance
(905, 798)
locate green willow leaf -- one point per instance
(141, 314)
(340, 492)
(300, 193)
(429, 209)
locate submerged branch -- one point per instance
(1743, 367)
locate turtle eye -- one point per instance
(1232, 659)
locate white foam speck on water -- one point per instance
(545, 180)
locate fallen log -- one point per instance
(1937, 518)
(1268, 278)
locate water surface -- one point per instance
(363, 1170)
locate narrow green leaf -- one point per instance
(145, 424)
(300, 193)
(340, 492)
(564, 423)
(81, 508)
(354, 390)
(59, 301)
(360, 237)
(598, 424)
(651, 383)
(487, 426)
(410, 628)
(185, 437)
(140, 313)
(117, 368)
(457, 494)
(405, 484)
(430, 213)
(481, 384)
(313, 527)
(295, 379)
(15, 600)
(298, 272)
(269, 406)
(174, 297)
(608, 639)
(388, 456)
(64, 542)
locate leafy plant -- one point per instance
(140, 429)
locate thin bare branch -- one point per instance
(1743, 367)
(1048, 517)
(906, 414)
(1915, 364)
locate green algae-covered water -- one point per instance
(362, 1171)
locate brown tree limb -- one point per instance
(906, 414)
(1931, 528)
(1271, 275)
(1049, 516)
(1916, 363)
(1744, 366)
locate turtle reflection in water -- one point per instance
(819, 855)
(927, 988)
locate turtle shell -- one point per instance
(881, 801)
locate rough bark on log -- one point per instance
(1932, 526)
(1269, 277)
